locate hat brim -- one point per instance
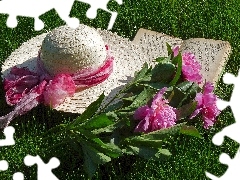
(128, 58)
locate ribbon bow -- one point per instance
(26, 89)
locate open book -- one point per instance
(212, 54)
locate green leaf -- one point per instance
(114, 106)
(115, 137)
(79, 133)
(89, 166)
(129, 96)
(141, 141)
(151, 153)
(134, 89)
(186, 110)
(108, 129)
(97, 122)
(169, 49)
(128, 151)
(141, 99)
(183, 94)
(190, 90)
(163, 133)
(76, 146)
(89, 112)
(155, 138)
(189, 87)
(96, 156)
(191, 131)
(176, 97)
(155, 85)
(124, 113)
(144, 152)
(178, 59)
(112, 116)
(163, 72)
(175, 60)
(160, 59)
(164, 152)
(142, 75)
(107, 148)
(185, 86)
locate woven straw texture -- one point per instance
(128, 58)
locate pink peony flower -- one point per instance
(175, 50)
(206, 105)
(60, 87)
(190, 66)
(160, 115)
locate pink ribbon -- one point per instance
(26, 90)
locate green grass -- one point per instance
(191, 157)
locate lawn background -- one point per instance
(185, 19)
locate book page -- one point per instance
(153, 43)
(212, 55)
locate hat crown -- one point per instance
(67, 50)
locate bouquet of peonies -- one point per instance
(159, 102)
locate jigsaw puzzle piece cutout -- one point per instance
(63, 8)
(233, 172)
(234, 100)
(18, 176)
(36, 8)
(221, 104)
(44, 170)
(211, 176)
(26, 8)
(231, 131)
(12, 21)
(230, 79)
(8, 133)
(100, 4)
(38, 24)
(3, 165)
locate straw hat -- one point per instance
(68, 50)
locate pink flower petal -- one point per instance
(208, 123)
(195, 113)
(158, 99)
(208, 88)
(175, 51)
(58, 89)
(191, 68)
(199, 99)
(158, 116)
(143, 125)
(207, 106)
(141, 112)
